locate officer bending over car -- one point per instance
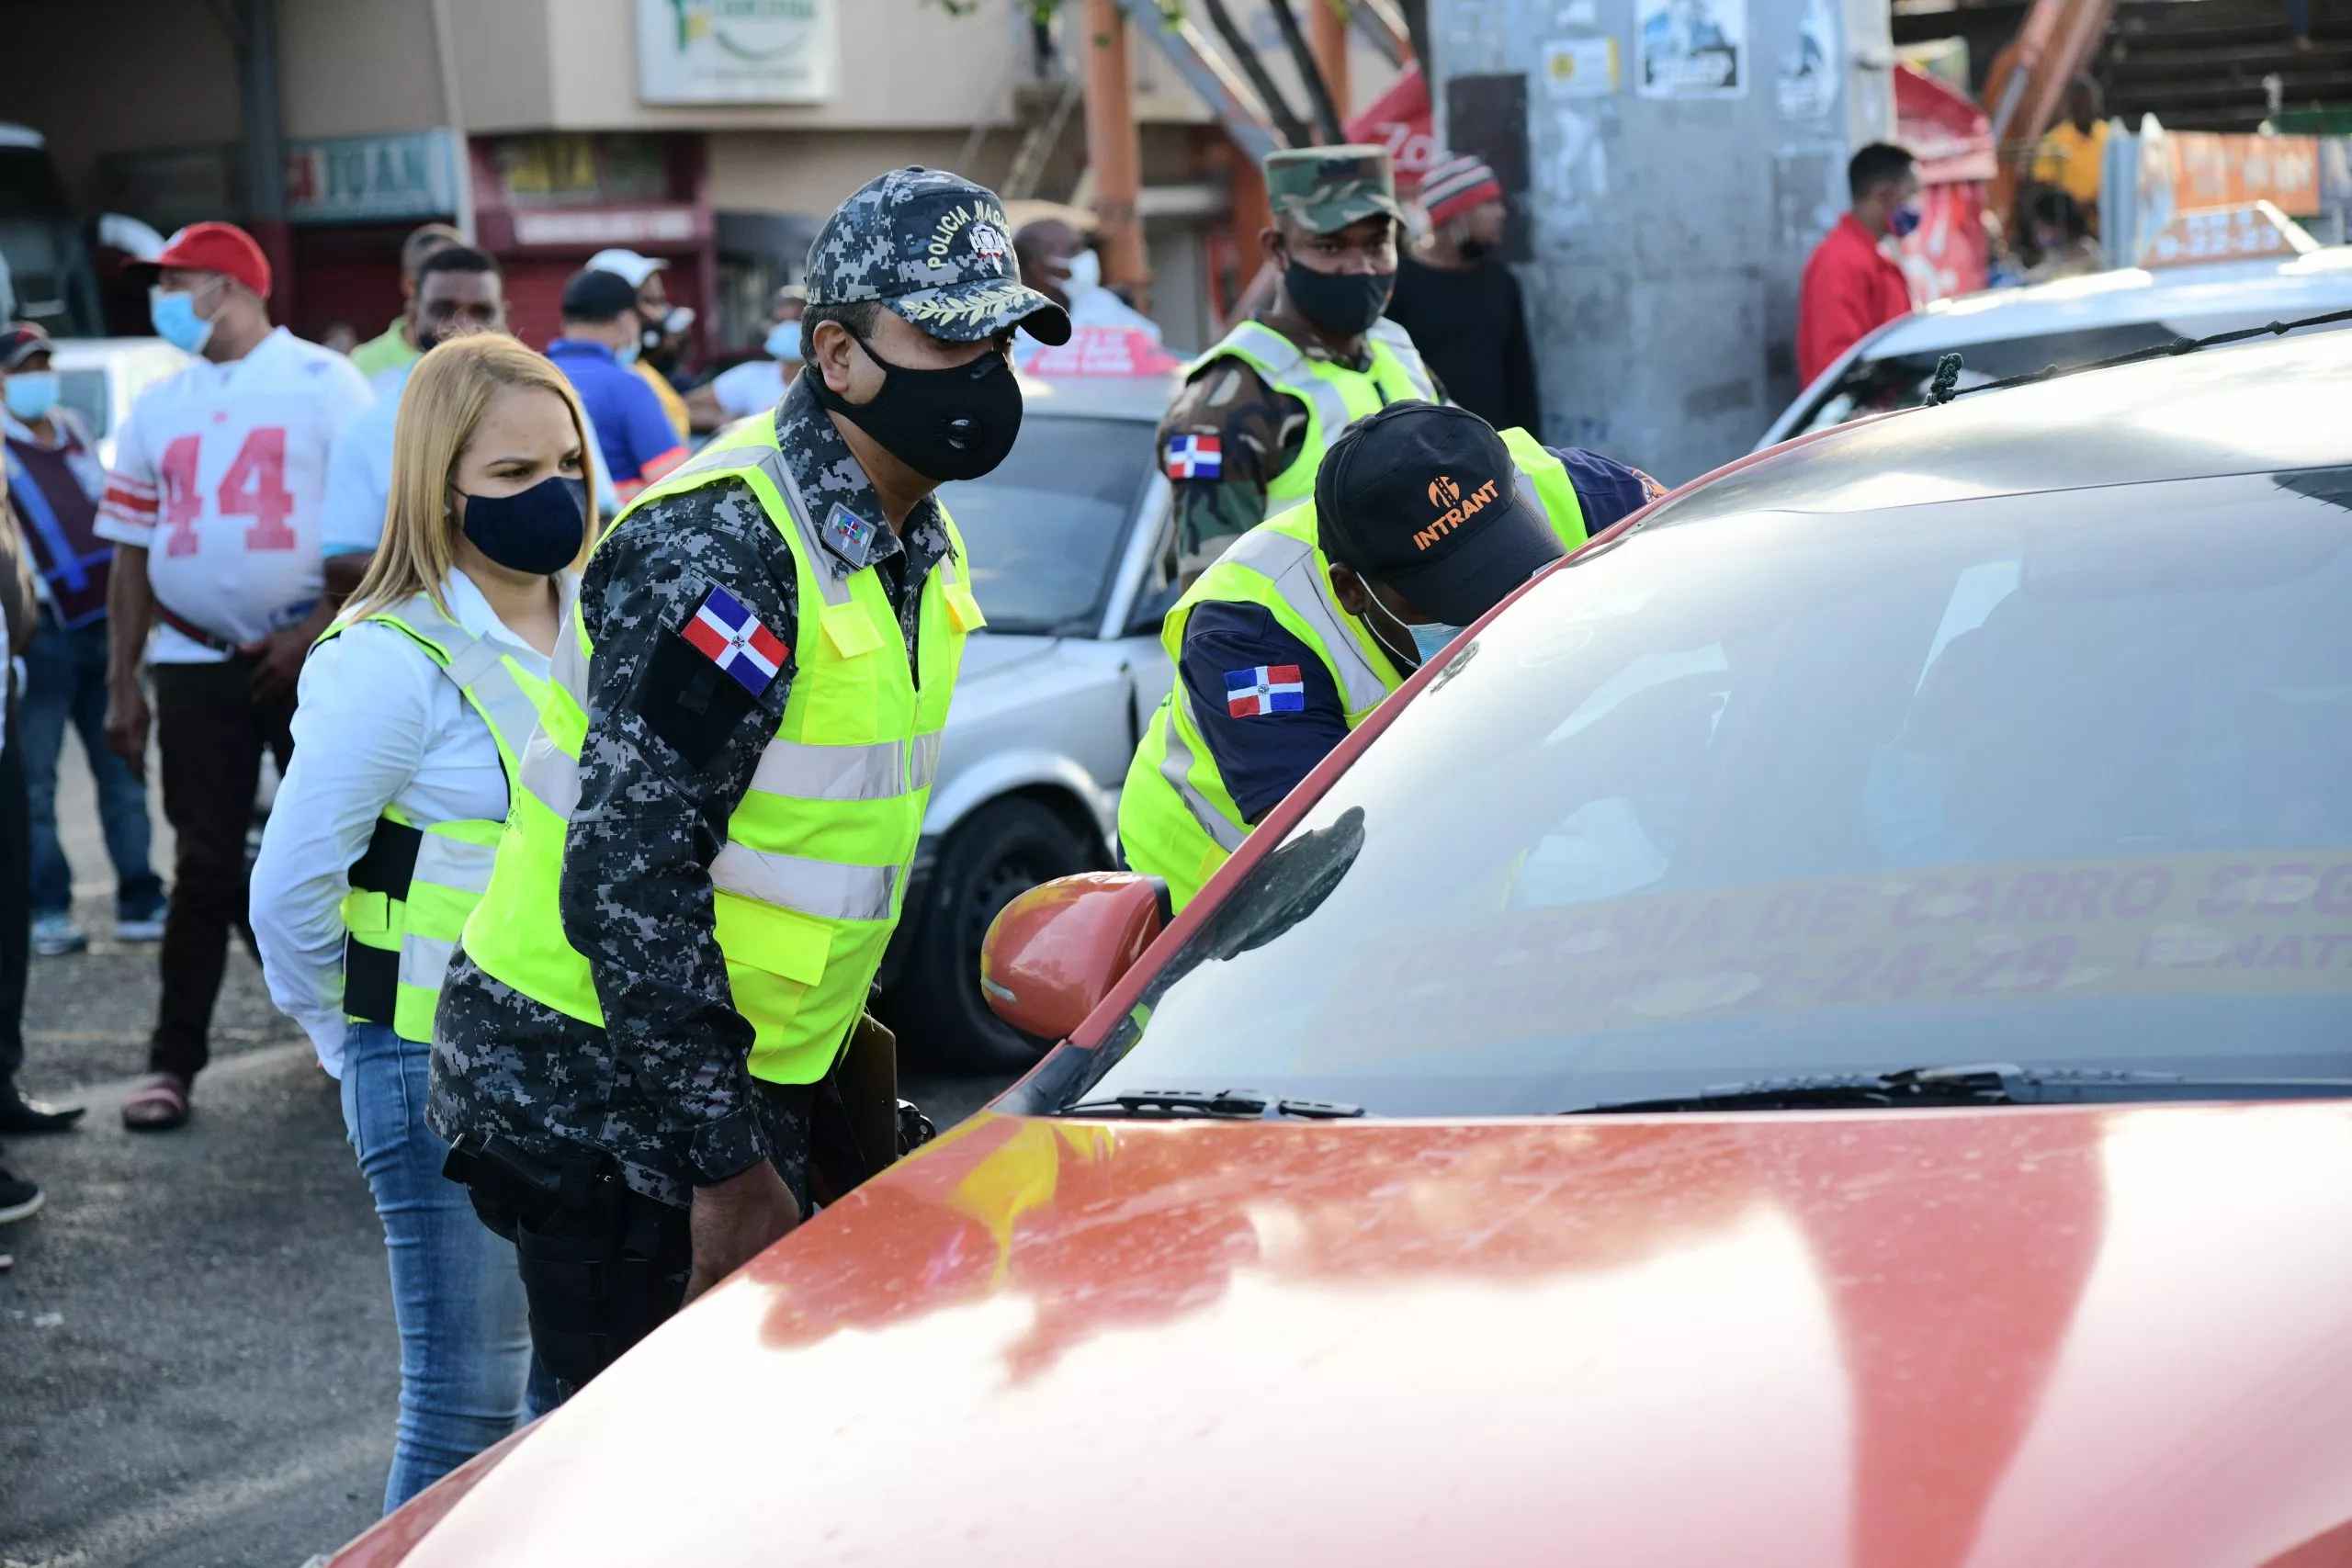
(651, 1042)
(1423, 519)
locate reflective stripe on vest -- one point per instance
(1336, 395)
(414, 888)
(810, 880)
(1177, 818)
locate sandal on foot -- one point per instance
(158, 1105)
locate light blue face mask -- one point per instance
(1430, 636)
(627, 354)
(177, 321)
(783, 341)
(31, 393)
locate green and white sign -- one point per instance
(737, 51)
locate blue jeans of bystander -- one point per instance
(465, 1335)
(65, 685)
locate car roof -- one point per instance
(1098, 397)
(2261, 409)
(2311, 284)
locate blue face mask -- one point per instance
(627, 354)
(1430, 636)
(31, 393)
(1904, 220)
(538, 530)
(783, 341)
(177, 321)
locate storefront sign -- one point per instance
(347, 179)
(2210, 169)
(597, 227)
(737, 51)
(2255, 232)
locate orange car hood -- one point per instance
(1908, 1340)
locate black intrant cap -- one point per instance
(1424, 497)
(597, 297)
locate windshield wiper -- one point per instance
(1986, 1083)
(1230, 1104)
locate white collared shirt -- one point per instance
(376, 724)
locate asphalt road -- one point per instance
(197, 1361)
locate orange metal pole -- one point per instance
(1327, 39)
(1115, 148)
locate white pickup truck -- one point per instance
(1073, 553)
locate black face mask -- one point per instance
(538, 530)
(1474, 250)
(1344, 304)
(944, 424)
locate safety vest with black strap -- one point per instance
(812, 877)
(412, 888)
(1336, 395)
(1177, 818)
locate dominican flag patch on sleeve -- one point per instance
(1269, 688)
(1194, 457)
(730, 636)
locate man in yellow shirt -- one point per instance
(393, 347)
(2071, 156)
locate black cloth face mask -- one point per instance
(957, 423)
(1344, 304)
(538, 530)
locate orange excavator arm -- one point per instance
(2027, 83)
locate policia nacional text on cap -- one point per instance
(1423, 519)
(650, 1017)
(1244, 437)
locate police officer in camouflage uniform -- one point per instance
(1246, 434)
(719, 810)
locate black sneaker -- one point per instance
(19, 1199)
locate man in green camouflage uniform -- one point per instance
(692, 1162)
(1245, 436)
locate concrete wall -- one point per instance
(1668, 236)
(799, 171)
(358, 67)
(118, 76)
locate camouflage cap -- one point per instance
(936, 249)
(1327, 188)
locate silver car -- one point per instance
(1073, 555)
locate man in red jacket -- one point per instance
(1852, 286)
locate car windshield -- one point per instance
(2059, 779)
(1878, 384)
(1045, 529)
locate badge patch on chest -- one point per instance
(848, 536)
(730, 636)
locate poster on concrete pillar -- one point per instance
(1691, 48)
(1807, 88)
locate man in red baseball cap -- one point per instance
(213, 503)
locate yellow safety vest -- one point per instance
(1177, 820)
(413, 887)
(811, 879)
(1336, 395)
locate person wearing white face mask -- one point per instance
(756, 385)
(214, 504)
(1058, 260)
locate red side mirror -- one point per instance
(1057, 951)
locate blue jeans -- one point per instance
(465, 1335)
(65, 682)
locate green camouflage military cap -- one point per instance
(1327, 188)
(934, 248)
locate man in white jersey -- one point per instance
(214, 504)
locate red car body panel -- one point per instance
(1917, 1340)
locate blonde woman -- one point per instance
(415, 707)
